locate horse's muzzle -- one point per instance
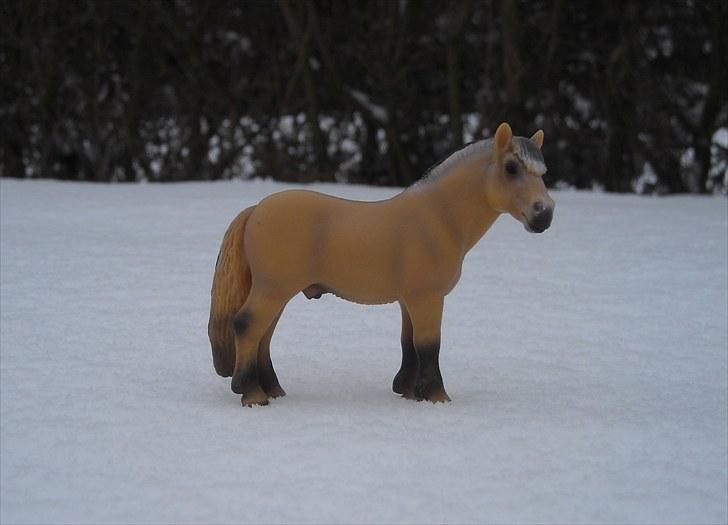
(540, 221)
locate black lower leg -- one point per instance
(269, 380)
(245, 377)
(245, 380)
(428, 384)
(404, 381)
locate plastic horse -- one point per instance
(408, 249)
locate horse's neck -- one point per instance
(458, 199)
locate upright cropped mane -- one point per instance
(530, 154)
(444, 165)
(523, 148)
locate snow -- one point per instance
(719, 163)
(646, 180)
(587, 368)
(377, 111)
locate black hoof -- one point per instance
(434, 392)
(274, 391)
(403, 384)
(254, 398)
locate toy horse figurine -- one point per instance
(408, 249)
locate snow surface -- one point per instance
(587, 368)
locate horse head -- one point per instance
(514, 181)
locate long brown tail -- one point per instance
(230, 288)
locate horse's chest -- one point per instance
(455, 278)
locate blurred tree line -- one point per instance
(631, 95)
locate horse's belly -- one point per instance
(360, 295)
(359, 263)
(363, 280)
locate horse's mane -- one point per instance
(530, 154)
(445, 164)
(525, 149)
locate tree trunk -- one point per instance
(318, 139)
(457, 21)
(715, 98)
(511, 63)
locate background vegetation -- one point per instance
(631, 95)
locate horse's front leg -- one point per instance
(426, 314)
(404, 381)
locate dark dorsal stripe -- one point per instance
(429, 170)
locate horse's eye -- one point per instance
(511, 167)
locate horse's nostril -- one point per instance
(541, 220)
(538, 207)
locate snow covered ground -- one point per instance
(587, 368)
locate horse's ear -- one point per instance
(538, 138)
(503, 137)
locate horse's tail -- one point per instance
(230, 288)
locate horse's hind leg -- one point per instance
(426, 314)
(251, 324)
(266, 373)
(404, 381)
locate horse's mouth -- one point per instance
(526, 224)
(533, 228)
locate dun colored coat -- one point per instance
(408, 249)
